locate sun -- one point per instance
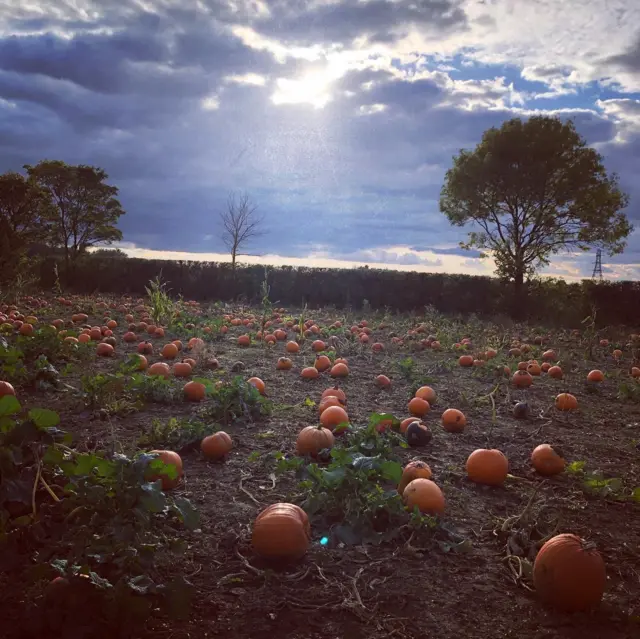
(312, 88)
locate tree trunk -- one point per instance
(519, 293)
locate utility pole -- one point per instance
(597, 268)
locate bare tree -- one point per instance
(241, 224)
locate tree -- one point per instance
(532, 189)
(85, 208)
(24, 211)
(109, 252)
(241, 225)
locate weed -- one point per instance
(162, 306)
(233, 400)
(175, 433)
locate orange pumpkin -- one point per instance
(129, 336)
(318, 346)
(415, 469)
(312, 439)
(635, 372)
(170, 458)
(453, 420)
(522, 379)
(322, 363)
(339, 369)
(336, 392)
(244, 340)
(309, 372)
(145, 348)
(6, 389)
(382, 381)
(549, 356)
(534, 369)
(284, 364)
(427, 393)
(566, 402)
(569, 574)
(292, 347)
(333, 416)
(194, 391)
(424, 494)
(325, 402)
(169, 351)
(104, 350)
(487, 467)
(595, 376)
(182, 369)
(257, 383)
(555, 372)
(419, 407)
(405, 423)
(465, 360)
(140, 360)
(546, 461)
(195, 342)
(216, 446)
(281, 531)
(160, 368)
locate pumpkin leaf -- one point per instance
(187, 513)
(44, 418)
(9, 405)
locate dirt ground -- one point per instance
(413, 587)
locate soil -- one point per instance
(413, 587)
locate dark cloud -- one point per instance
(630, 59)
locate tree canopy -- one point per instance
(531, 189)
(85, 209)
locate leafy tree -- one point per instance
(109, 252)
(532, 189)
(241, 224)
(24, 208)
(85, 208)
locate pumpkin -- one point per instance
(284, 364)
(110, 340)
(336, 392)
(6, 389)
(216, 446)
(617, 353)
(419, 407)
(84, 338)
(309, 372)
(555, 372)
(566, 402)
(292, 347)
(549, 356)
(333, 416)
(415, 469)
(281, 531)
(169, 351)
(322, 363)
(104, 350)
(522, 379)
(382, 381)
(427, 393)
(635, 372)
(244, 340)
(312, 439)
(195, 342)
(377, 347)
(129, 337)
(424, 494)
(329, 400)
(522, 366)
(595, 376)
(341, 360)
(418, 434)
(140, 360)
(182, 369)
(194, 391)
(159, 331)
(280, 335)
(339, 369)
(547, 461)
(404, 424)
(160, 368)
(318, 346)
(453, 420)
(534, 369)
(604, 342)
(487, 467)
(258, 384)
(145, 348)
(569, 573)
(465, 360)
(169, 458)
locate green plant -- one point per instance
(595, 483)
(162, 306)
(407, 368)
(174, 434)
(629, 390)
(105, 522)
(233, 400)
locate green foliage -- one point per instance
(407, 368)
(231, 400)
(162, 307)
(595, 483)
(105, 521)
(84, 209)
(354, 493)
(534, 188)
(629, 390)
(174, 434)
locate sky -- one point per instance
(338, 118)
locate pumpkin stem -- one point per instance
(587, 546)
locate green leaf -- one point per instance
(44, 418)
(391, 470)
(187, 512)
(635, 494)
(334, 477)
(575, 467)
(9, 405)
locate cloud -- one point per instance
(339, 118)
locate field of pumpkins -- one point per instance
(177, 469)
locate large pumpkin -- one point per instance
(415, 469)
(547, 461)
(216, 446)
(453, 420)
(281, 531)
(170, 458)
(313, 439)
(569, 573)
(6, 389)
(487, 467)
(424, 494)
(333, 416)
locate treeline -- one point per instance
(549, 301)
